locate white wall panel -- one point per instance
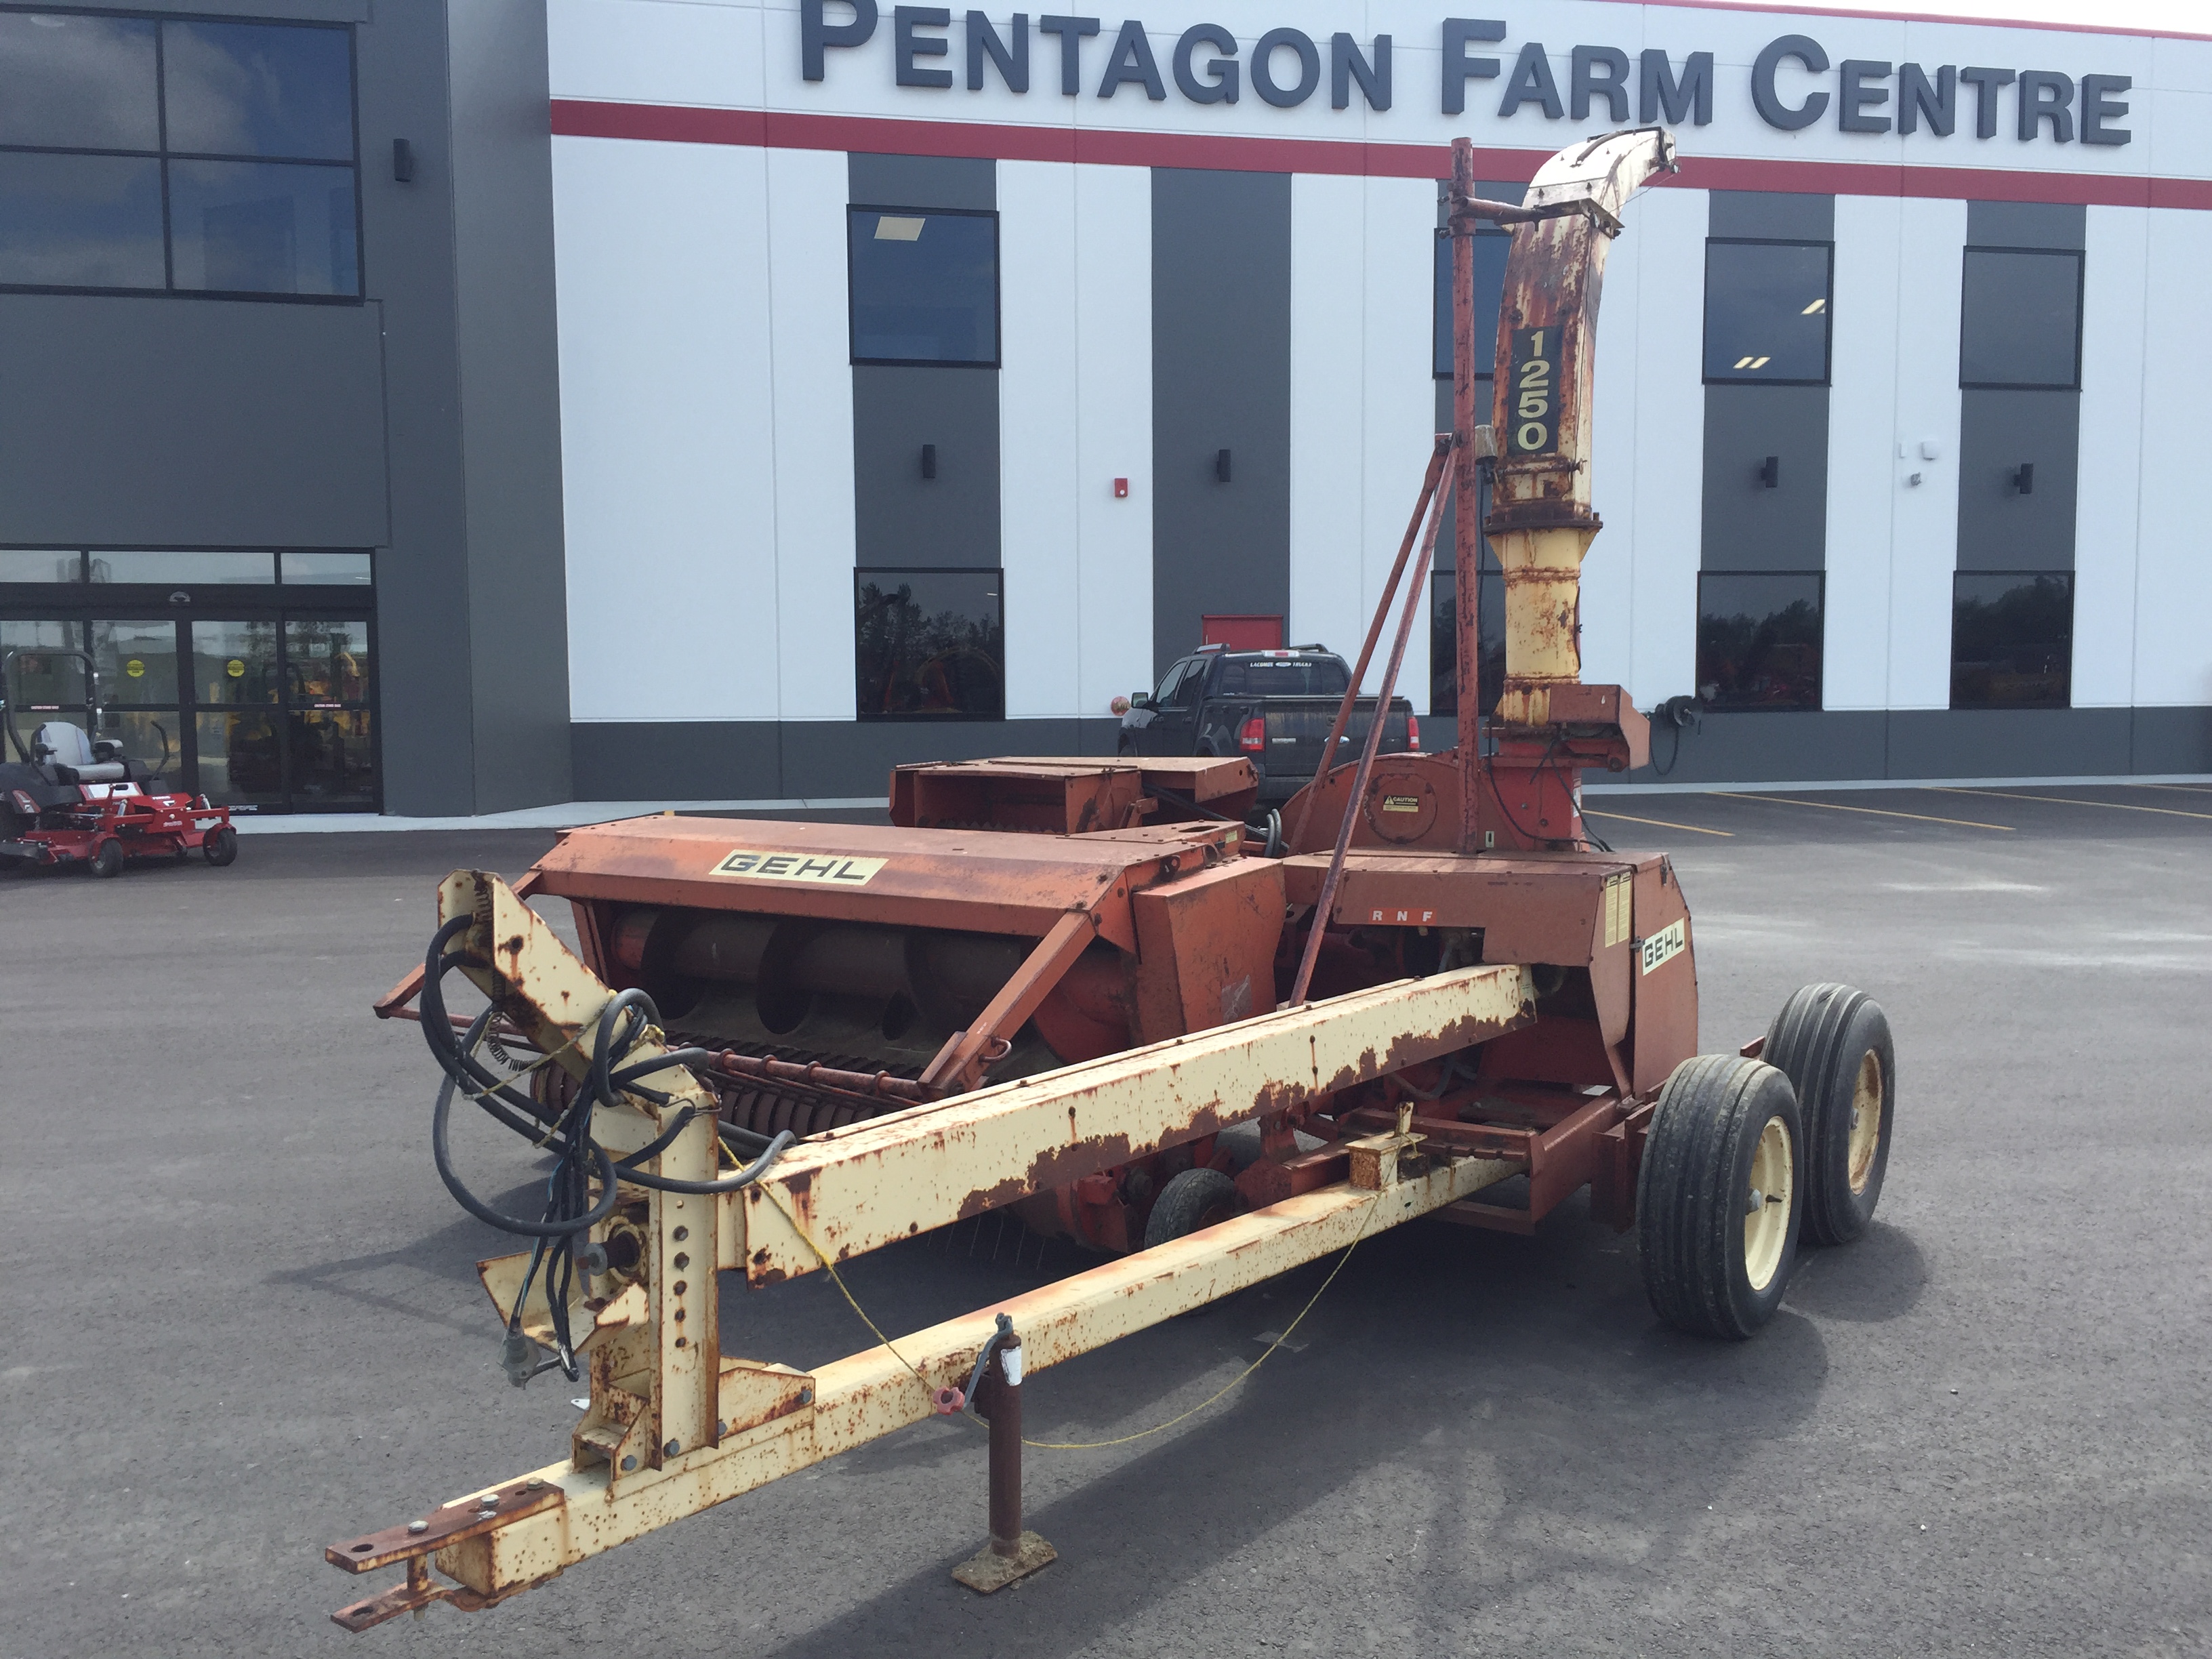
(1668, 447)
(1113, 322)
(667, 437)
(1329, 599)
(1040, 427)
(1398, 410)
(2173, 590)
(1862, 464)
(2107, 502)
(812, 377)
(1608, 606)
(1924, 536)
(656, 52)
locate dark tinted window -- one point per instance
(80, 221)
(78, 83)
(930, 643)
(258, 89)
(70, 83)
(1758, 641)
(263, 227)
(2012, 639)
(2020, 320)
(1491, 247)
(924, 286)
(1443, 641)
(1766, 311)
(1283, 677)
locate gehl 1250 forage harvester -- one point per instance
(1055, 985)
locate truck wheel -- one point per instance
(1718, 1199)
(1196, 1198)
(1833, 1041)
(107, 858)
(221, 846)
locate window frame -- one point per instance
(2081, 258)
(998, 291)
(163, 156)
(917, 717)
(1827, 316)
(1439, 330)
(1820, 580)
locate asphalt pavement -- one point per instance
(244, 1321)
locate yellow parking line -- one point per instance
(1875, 811)
(2068, 801)
(1659, 824)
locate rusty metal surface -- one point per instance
(858, 1188)
(1070, 794)
(972, 881)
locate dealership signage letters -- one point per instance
(1793, 84)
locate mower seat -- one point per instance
(69, 753)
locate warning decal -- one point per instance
(1663, 946)
(831, 869)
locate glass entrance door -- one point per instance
(283, 712)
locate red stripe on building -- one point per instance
(1236, 152)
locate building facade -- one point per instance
(733, 400)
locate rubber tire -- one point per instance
(1186, 1201)
(221, 846)
(1818, 1040)
(107, 859)
(1689, 1194)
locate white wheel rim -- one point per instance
(1866, 1120)
(1766, 1204)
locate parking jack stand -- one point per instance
(1012, 1553)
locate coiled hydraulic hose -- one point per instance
(569, 1213)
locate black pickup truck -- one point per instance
(1274, 708)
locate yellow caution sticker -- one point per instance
(1617, 908)
(235, 668)
(1663, 946)
(134, 668)
(1401, 803)
(829, 869)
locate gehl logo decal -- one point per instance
(833, 869)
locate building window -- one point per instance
(141, 155)
(2011, 639)
(930, 644)
(1491, 247)
(1443, 641)
(1759, 640)
(1766, 311)
(2019, 319)
(924, 286)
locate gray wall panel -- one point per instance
(2007, 743)
(901, 518)
(1778, 216)
(1999, 528)
(2026, 224)
(768, 760)
(676, 760)
(2171, 740)
(923, 181)
(178, 421)
(1765, 747)
(1747, 527)
(510, 402)
(426, 694)
(1221, 379)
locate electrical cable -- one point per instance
(569, 1213)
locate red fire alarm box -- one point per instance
(1121, 489)
(1243, 633)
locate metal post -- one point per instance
(1012, 1553)
(1466, 521)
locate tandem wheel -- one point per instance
(1196, 1198)
(221, 846)
(107, 859)
(1833, 1043)
(1720, 1196)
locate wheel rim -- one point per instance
(1866, 1119)
(1766, 1204)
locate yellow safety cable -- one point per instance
(837, 1279)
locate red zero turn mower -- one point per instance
(68, 798)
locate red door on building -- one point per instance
(1243, 633)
